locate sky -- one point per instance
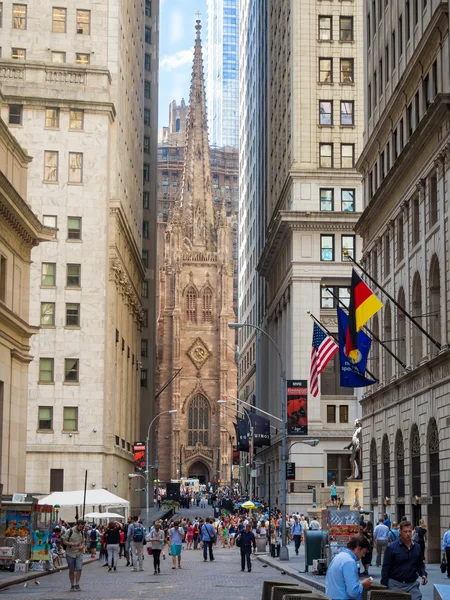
(176, 46)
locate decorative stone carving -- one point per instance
(432, 437)
(198, 451)
(415, 441)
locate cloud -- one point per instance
(173, 61)
(176, 25)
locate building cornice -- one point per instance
(287, 220)
(15, 324)
(426, 129)
(19, 217)
(423, 379)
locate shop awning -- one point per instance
(76, 498)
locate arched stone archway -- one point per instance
(199, 470)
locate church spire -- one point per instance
(197, 207)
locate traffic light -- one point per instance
(218, 481)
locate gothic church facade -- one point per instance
(196, 305)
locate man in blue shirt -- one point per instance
(296, 532)
(208, 537)
(342, 580)
(247, 540)
(381, 534)
(402, 563)
(446, 549)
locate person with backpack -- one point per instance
(394, 533)
(73, 542)
(93, 536)
(207, 537)
(135, 537)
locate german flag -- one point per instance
(363, 305)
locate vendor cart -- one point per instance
(7, 553)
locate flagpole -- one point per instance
(399, 306)
(376, 338)
(335, 339)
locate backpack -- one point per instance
(68, 539)
(93, 535)
(138, 535)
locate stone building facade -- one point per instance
(405, 165)
(20, 231)
(73, 86)
(196, 304)
(312, 203)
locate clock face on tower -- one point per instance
(198, 353)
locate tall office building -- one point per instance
(405, 165)
(252, 190)
(149, 223)
(222, 72)
(313, 196)
(73, 87)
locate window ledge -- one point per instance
(76, 130)
(15, 125)
(51, 128)
(44, 431)
(76, 327)
(347, 126)
(69, 431)
(74, 240)
(319, 41)
(72, 287)
(76, 183)
(48, 326)
(325, 83)
(71, 383)
(46, 383)
(347, 83)
(346, 41)
(47, 182)
(48, 287)
(322, 126)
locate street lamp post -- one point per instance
(147, 463)
(284, 552)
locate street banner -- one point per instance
(261, 430)
(139, 456)
(297, 407)
(236, 457)
(290, 471)
(352, 370)
(242, 435)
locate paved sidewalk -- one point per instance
(295, 567)
(7, 578)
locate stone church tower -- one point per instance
(196, 304)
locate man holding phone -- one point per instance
(73, 541)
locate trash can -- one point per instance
(261, 543)
(277, 549)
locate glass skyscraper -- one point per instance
(222, 69)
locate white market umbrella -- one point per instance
(76, 498)
(105, 515)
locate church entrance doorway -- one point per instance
(200, 471)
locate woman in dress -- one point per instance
(189, 535)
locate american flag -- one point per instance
(323, 349)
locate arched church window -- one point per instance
(207, 306)
(198, 421)
(191, 306)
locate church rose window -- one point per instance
(191, 306)
(198, 421)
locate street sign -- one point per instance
(290, 471)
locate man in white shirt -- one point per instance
(381, 535)
(314, 524)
